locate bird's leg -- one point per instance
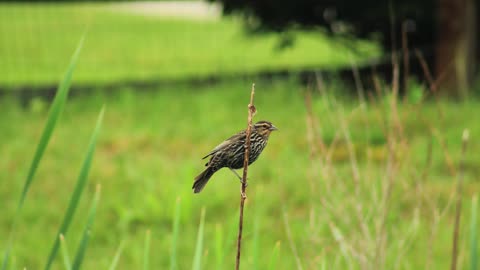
(239, 177)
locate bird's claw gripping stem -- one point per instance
(239, 177)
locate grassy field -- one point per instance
(341, 185)
(149, 152)
(36, 41)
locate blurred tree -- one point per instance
(455, 49)
(444, 30)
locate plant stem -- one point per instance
(243, 195)
(458, 208)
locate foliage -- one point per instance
(59, 240)
(150, 150)
(341, 185)
(362, 18)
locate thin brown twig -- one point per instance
(426, 71)
(441, 140)
(458, 208)
(393, 128)
(422, 179)
(315, 152)
(358, 82)
(432, 84)
(385, 205)
(314, 135)
(243, 195)
(406, 59)
(358, 205)
(394, 100)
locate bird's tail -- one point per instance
(202, 179)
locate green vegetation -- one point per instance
(341, 185)
(53, 116)
(150, 148)
(38, 40)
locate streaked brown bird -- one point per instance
(231, 152)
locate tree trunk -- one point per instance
(456, 46)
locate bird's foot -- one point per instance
(239, 177)
(244, 183)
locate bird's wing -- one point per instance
(225, 143)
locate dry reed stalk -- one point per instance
(438, 214)
(406, 59)
(357, 205)
(432, 84)
(314, 134)
(426, 72)
(358, 81)
(385, 206)
(243, 195)
(431, 239)
(316, 150)
(393, 128)
(458, 207)
(448, 158)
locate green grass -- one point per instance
(149, 152)
(197, 259)
(65, 254)
(151, 143)
(87, 230)
(175, 230)
(474, 235)
(52, 119)
(36, 41)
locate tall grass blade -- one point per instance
(473, 236)
(219, 247)
(146, 251)
(66, 256)
(53, 116)
(255, 241)
(458, 204)
(86, 231)
(52, 119)
(116, 258)
(197, 259)
(272, 265)
(323, 264)
(176, 227)
(291, 241)
(77, 193)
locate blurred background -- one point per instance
(371, 100)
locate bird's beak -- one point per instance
(272, 128)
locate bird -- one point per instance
(231, 152)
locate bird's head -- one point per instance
(264, 128)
